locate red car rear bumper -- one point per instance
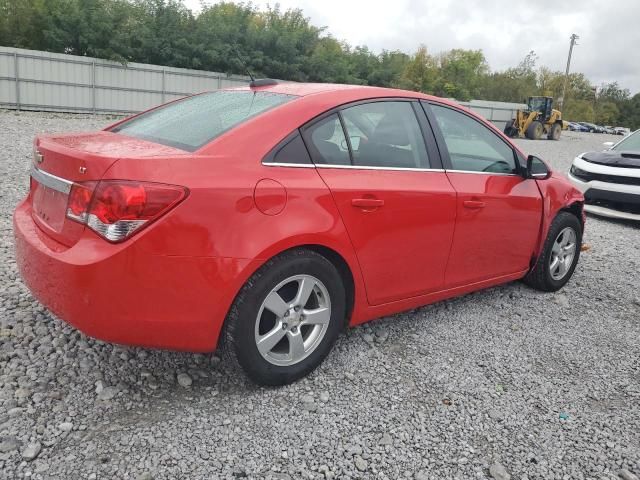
(123, 294)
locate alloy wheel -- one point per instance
(562, 253)
(292, 320)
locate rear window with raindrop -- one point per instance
(191, 123)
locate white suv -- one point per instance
(610, 180)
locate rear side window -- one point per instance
(328, 144)
(385, 134)
(193, 122)
(472, 146)
(290, 151)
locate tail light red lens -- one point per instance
(115, 209)
(79, 199)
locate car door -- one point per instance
(394, 198)
(499, 212)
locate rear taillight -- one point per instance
(79, 199)
(115, 209)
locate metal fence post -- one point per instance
(93, 87)
(15, 71)
(164, 72)
(219, 82)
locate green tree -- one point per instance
(419, 72)
(630, 113)
(233, 37)
(329, 62)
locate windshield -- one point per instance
(190, 123)
(629, 144)
(537, 104)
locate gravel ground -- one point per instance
(507, 381)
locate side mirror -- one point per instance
(608, 145)
(537, 169)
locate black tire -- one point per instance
(238, 341)
(540, 276)
(510, 130)
(554, 132)
(534, 131)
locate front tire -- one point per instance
(534, 130)
(559, 255)
(286, 318)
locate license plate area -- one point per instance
(49, 206)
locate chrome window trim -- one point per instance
(366, 167)
(351, 167)
(282, 164)
(483, 173)
(51, 181)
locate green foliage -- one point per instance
(284, 44)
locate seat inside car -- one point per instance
(323, 140)
(389, 145)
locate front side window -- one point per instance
(385, 134)
(472, 146)
(193, 122)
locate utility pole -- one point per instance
(574, 37)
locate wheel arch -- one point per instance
(344, 270)
(347, 269)
(575, 208)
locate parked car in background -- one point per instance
(622, 131)
(267, 218)
(610, 180)
(609, 130)
(592, 127)
(576, 127)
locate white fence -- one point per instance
(497, 112)
(34, 80)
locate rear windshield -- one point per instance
(190, 123)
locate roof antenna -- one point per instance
(246, 69)
(261, 82)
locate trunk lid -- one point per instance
(61, 160)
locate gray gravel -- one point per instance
(509, 381)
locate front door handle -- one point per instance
(473, 204)
(367, 202)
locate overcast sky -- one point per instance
(506, 31)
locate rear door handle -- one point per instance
(473, 204)
(367, 202)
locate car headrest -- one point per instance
(391, 131)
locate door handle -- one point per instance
(473, 204)
(367, 202)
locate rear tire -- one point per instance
(534, 131)
(558, 258)
(555, 131)
(279, 348)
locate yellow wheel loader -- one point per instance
(540, 118)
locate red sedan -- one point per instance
(266, 219)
